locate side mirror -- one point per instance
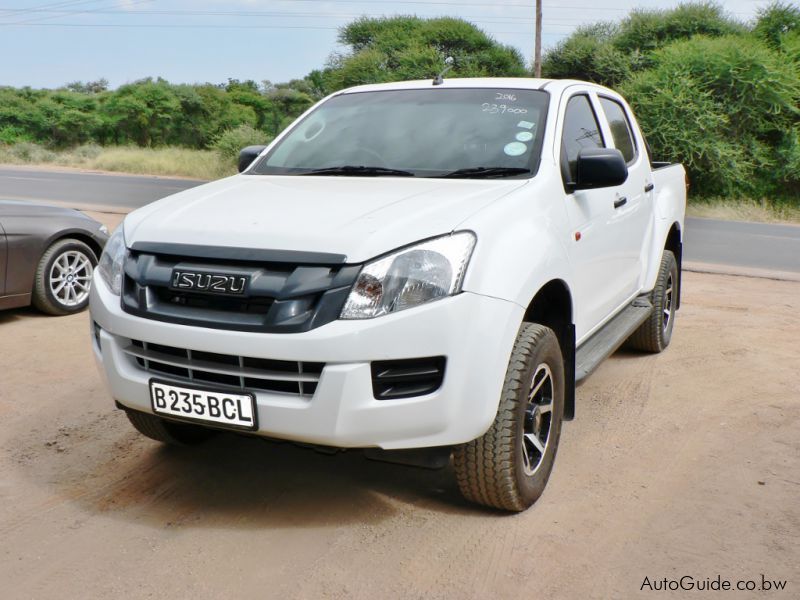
(600, 167)
(248, 155)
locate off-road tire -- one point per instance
(653, 335)
(43, 297)
(491, 470)
(168, 432)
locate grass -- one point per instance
(169, 162)
(744, 209)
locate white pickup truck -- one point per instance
(423, 270)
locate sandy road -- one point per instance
(686, 463)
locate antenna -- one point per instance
(439, 79)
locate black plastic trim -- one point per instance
(239, 254)
(407, 378)
(287, 292)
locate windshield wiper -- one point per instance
(360, 171)
(487, 172)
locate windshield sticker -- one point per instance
(515, 149)
(524, 136)
(525, 124)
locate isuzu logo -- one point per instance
(214, 283)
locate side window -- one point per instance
(620, 128)
(581, 130)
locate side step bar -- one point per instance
(612, 335)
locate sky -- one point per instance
(47, 43)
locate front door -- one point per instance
(601, 268)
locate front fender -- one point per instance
(519, 250)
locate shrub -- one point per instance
(229, 143)
(28, 152)
(647, 30)
(87, 151)
(589, 55)
(727, 109)
(776, 20)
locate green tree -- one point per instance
(775, 21)
(143, 111)
(402, 48)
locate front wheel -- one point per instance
(64, 277)
(508, 467)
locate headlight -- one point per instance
(410, 277)
(110, 265)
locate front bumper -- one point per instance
(475, 333)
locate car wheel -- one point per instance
(508, 467)
(168, 432)
(655, 334)
(64, 277)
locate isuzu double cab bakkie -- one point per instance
(421, 270)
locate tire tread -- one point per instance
(649, 336)
(484, 467)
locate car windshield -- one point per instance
(438, 132)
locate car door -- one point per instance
(634, 203)
(600, 265)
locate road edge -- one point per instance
(734, 271)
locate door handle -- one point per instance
(620, 202)
(649, 187)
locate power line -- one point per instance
(198, 26)
(565, 21)
(78, 12)
(43, 7)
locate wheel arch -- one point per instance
(552, 306)
(674, 243)
(74, 234)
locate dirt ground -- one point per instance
(685, 463)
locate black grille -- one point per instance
(394, 379)
(259, 374)
(282, 295)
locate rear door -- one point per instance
(634, 199)
(601, 271)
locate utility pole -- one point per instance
(537, 52)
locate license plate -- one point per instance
(203, 405)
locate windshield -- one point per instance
(423, 133)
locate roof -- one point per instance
(475, 82)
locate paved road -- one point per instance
(752, 245)
(85, 190)
(749, 245)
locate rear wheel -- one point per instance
(161, 430)
(655, 334)
(508, 467)
(64, 277)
